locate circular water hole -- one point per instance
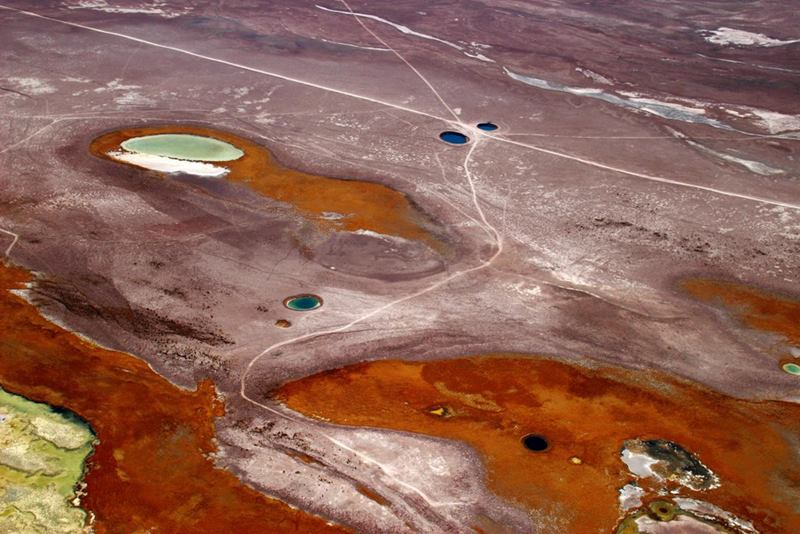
(306, 302)
(487, 126)
(535, 443)
(454, 138)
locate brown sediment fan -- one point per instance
(585, 415)
(757, 309)
(150, 471)
(365, 205)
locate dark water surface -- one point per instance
(454, 138)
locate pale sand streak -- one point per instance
(13, 242)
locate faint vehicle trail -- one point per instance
(457, 274)
(756, 65)
(498, 246)
(478, 140)
(13, 242)
(224, 62)
(15, 236)
(485, 225)
(749, 137)
(396, 53)
(475, 131)
(399, 27)
(648, 176)
(31, 136)
(364, 457)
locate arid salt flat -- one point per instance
(487, 266)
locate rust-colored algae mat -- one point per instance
(363, 205)
(150, 471)
(492, 402)
(756, 309)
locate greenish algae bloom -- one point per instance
(183, 146)
(792, 368)
(303, 302)
(42, 457)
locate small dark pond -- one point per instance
(535, 442)
(454, 138)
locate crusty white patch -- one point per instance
(158, 7)
(116, 85)
(377, 235)
(730, 36)
(753, 166)
(639, 464)
(707, 510)
(169, 165)
(595, 77)
(134, 98)
(30, 86)
(775, 122)
(630, 497)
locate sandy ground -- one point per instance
(567, 230)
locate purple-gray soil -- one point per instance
(639, 145)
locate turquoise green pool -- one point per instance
(183, 146)
(792, 368)
(303, 302)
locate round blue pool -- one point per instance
(303, 302)
(454, 138)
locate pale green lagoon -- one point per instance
(42, 456)
(183, 146)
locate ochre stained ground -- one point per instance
(150, 471)
(367, 205)
(584, 413)
(757, 309)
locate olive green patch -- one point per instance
(42, 458)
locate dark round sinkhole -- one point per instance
(535, 443)
(454, 138)
(487, 126)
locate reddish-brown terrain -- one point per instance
(152, 470)
(758, 310)
(362, 205)
(637, 144)
(491, 402)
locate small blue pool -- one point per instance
(454, 138)
(487, 126)
(303, 302)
